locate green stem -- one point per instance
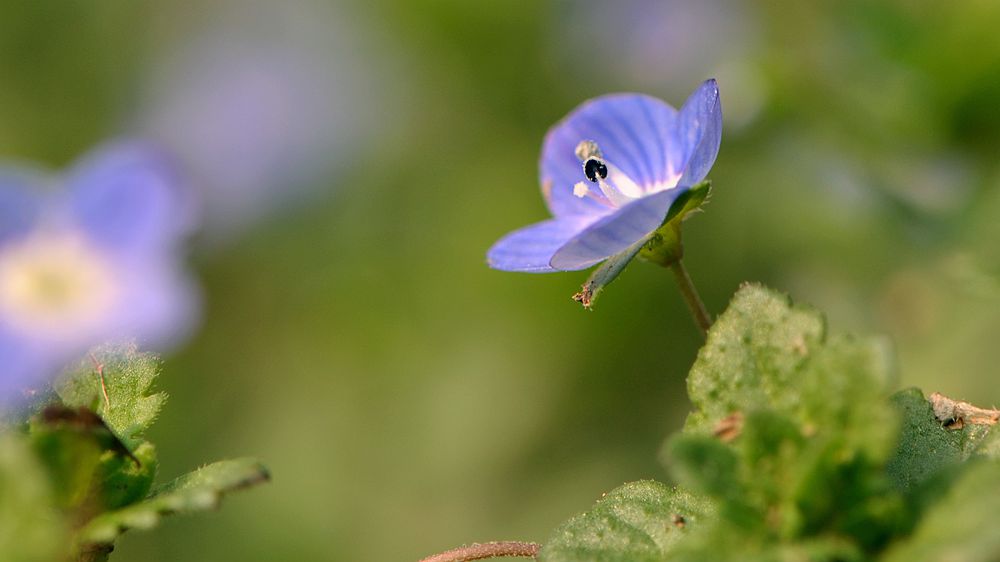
(690, 294)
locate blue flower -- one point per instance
(263, 116)
(88, 257)
(609, 172)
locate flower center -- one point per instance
(54, 284)
(616, 188)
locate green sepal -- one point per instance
(664, 246)
(606, 273)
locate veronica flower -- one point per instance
(610, 172)
(88, 257)
(262, 107)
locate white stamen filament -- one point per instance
(616, 197)
(583, 189)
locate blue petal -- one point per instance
(614, 233)
(699, 131)
(158, 307)
(127, 196)
(14, 375)
(21, 202)
(531, 248)
(634, 131)
(28, 365)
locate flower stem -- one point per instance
(481, 551)
(690, 294)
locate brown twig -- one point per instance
(954, 414)
(481, 551)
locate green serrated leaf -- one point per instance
(962, 525)
(200, 490)
(130, 408)
(926, 446)
(763, 353)
(31, 530)
(637, 522)
(790, 430)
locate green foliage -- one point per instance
(764, 353)
(929, 446)
(83, 464)
(803, 455)
(196, 491)
(802, 413)
(130, 407)
(71, 457)
(125, 480)
(30, 531)
(638, 522)
(962, 525)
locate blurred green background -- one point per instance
(407, 398)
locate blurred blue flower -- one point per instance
(263, 106)
(657, 46)
(609, 172)
(89, 257)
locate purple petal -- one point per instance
(18, 371)
(699, 131)
(634, 131)
(21, 202)
(127, 196)
(28, 366)
(614, 233)
(531, 248)
(158, 308)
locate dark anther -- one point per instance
(594, 168)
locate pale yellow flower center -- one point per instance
(54, 284)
